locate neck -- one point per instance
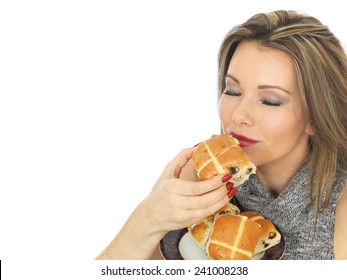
(275, 178)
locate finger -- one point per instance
(191, 188)
(186, 217)
(174, 167)
(200, 213)
(206, 200)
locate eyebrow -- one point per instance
(259, 87)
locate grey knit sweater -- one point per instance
(292, 212)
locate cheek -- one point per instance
(281, 129)
(225, 110)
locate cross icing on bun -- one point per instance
(222, 154)
(233, 237)
(229, 234)
(269, 236)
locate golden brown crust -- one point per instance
(233, 237)
(226, 234)
(221, 154)
(201, 231)
(269, 235)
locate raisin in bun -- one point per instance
(233, 237)
(269, 234)
(219, 154)
(229, 208)
(222, 154)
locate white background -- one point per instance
(95, 98)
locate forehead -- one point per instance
(251, 61)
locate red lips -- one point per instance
(244, 141)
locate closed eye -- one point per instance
(271, 103)
(231, 93)
(267, 102)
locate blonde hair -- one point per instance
(321, 69)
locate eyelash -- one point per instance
(231, 93)
(264, 101)
(271, 103)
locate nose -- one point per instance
(242, 115)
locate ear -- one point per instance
(309, 130)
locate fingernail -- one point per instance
(232, 192)
(229, 186)
(226, 177)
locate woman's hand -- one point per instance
(172, 204)
(175, 203)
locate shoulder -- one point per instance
(340, 231)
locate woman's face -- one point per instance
(260, 106)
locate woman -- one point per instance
(283, 94)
